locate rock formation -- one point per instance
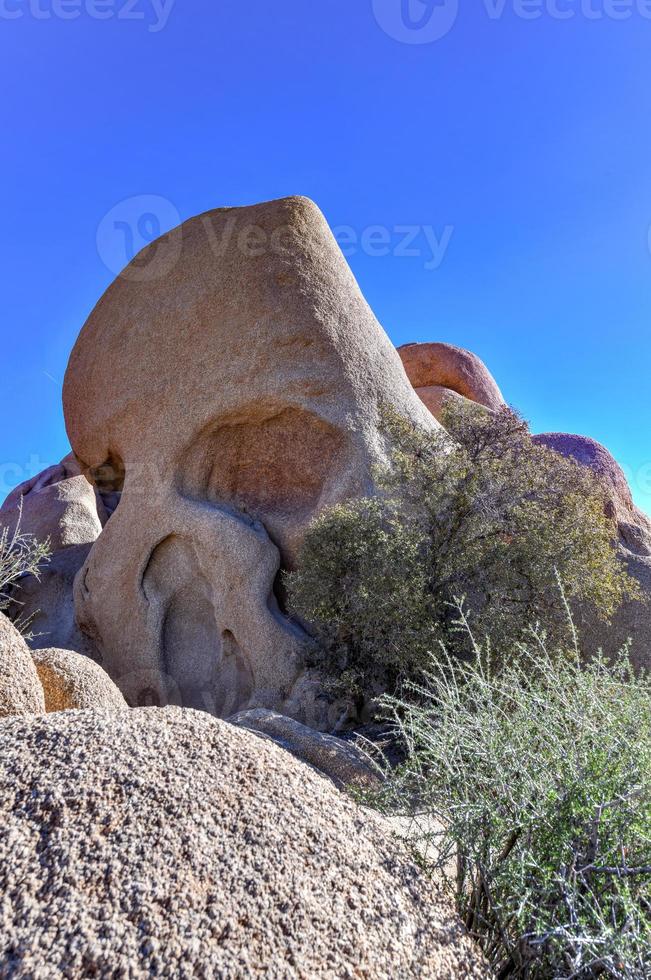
(72, 681)
(162, 842)
(633, 620)
(59, 505)
(341, 761)
(242, 397)
(20, 689)
(439, 372)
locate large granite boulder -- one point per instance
(71, 681)
(632, 621)
(20, 689)
(443, 372)
(162, 842)
(229, 399)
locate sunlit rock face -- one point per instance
(228, 386)
(441, 373)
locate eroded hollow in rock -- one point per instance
(199, 654)
(109, 476)
(267, 466)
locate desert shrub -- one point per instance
(490, 516)
(20, 555)
(530, 794)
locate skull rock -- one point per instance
(229, 395)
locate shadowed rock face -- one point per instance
(439, 372)
(596, 457)
(633, 621)
(242, 398)
(62, 506)
(162, 842)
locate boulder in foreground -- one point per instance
(162, 842)
(71, 681)
(20, 689)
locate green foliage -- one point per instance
(489, 515)
(20, 555)
(530, 793)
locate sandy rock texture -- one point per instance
(440, 372)
(162, 842)
(340, 760)
(246, 376)
(633, 620)
(71, 681)
(20, 689)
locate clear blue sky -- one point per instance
(528, 139)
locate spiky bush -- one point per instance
(529, 792)
(20, 555)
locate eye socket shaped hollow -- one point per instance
(109, 476)
(270, 466)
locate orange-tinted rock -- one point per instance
(443, 366)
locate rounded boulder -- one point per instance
(163, 842)
(432, 367)
(71, 681)
(20, 689)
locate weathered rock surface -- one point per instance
(60, 505)
(20, 689)
(596, 457)
(633, 620)
(341, 761)
(440, 371)
(166, 843)
(242, 398)
(71, 681)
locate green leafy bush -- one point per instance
(490, 516)
(530, 793)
